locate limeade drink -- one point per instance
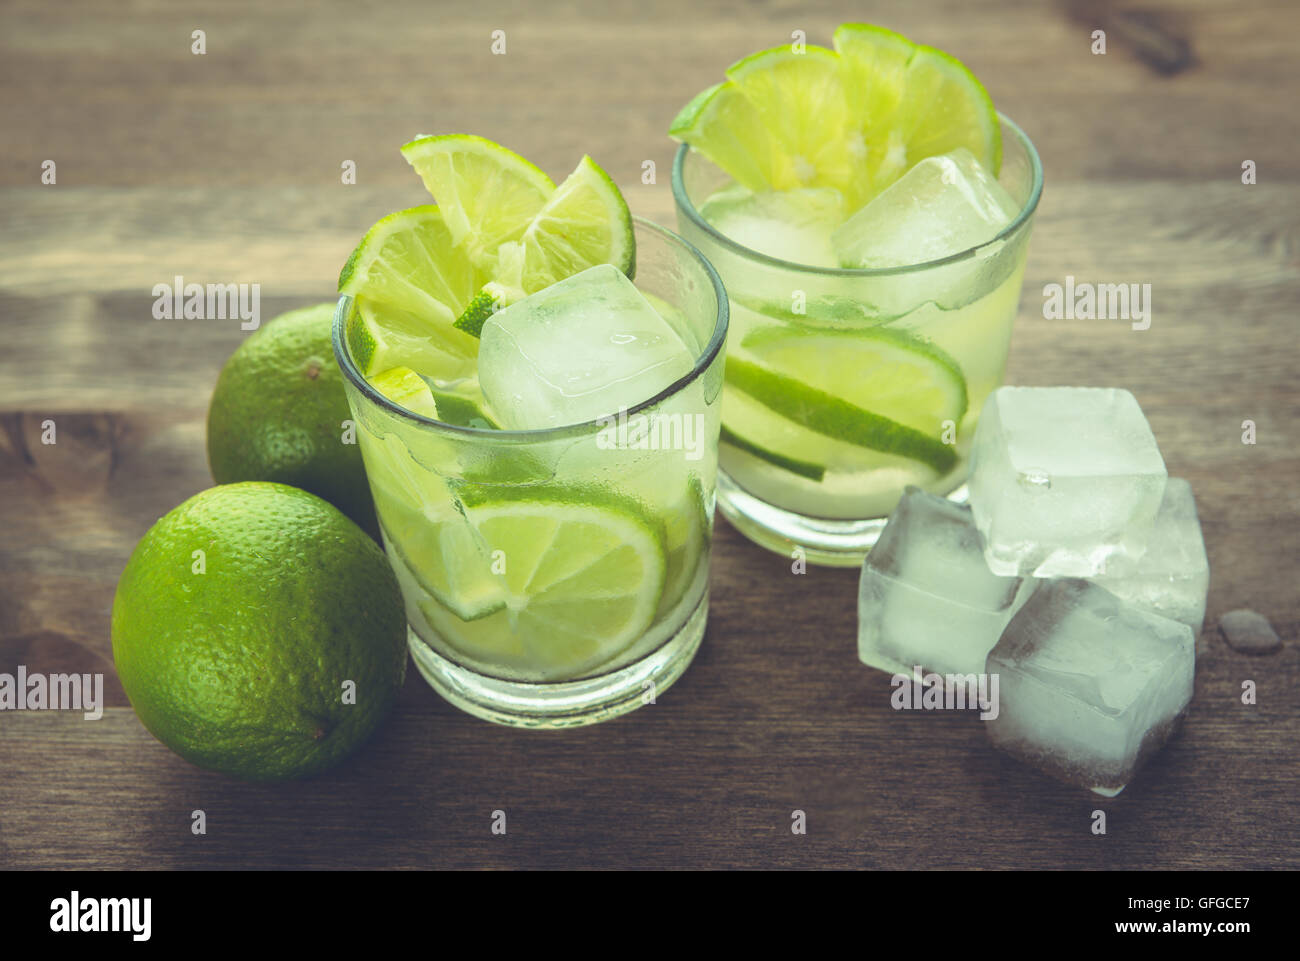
(539, 432)
(869, 214)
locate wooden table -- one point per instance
(225, 167)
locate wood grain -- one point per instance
(226, 168)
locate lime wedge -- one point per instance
(381, 337)
(910, 101)
(814, 472)
(856, 118)
(584, 223)
(877, 389)
(489, 194)
(493, 297)
(889, 372)
(422, 523)
(408, 261)
(686, 531)
(406, 388)
(583, 576)
(463, 405)
(800, 99)
(410, 282)
(725, 127)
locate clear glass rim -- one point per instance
(702, 363)
(685, 205)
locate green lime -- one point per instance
(279, 410)
(409, 261)
(493, 297)
(856, 118)
(686, 533)
(814, 472)
(381, 337)
(259, 632)
(582, 575)
(487, 193)
(406, 388)
(895, 403)
(584, 223)
(909, 101)
(887, 371)
(464, 405)
(410, 283)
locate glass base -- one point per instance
(566, 703)
(825, 541)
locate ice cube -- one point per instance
(1089, 686)
(1173, 576)
(793, 225)
(583, 348)
(942, 206)
(1063, 479)
(926, 596)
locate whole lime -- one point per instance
(259, 632)
(278, 410)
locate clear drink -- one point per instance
(880, 373)
(556, 576)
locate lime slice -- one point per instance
(489, 194)
(880, 369)
(814, 472)
(686, 531)
(910, 101)
(423, 523)
(725, 127)
(855, 118)
(463, 405)
(584, 223)
(583, 577)
(450, 561)
(410, 282)
(408, 261)
(381, 337)
(406, 388)
(493, 297)
(877, 389)
(800, 99)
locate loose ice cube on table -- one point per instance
(1089, 685)
(942, 206)
(793, 225)
(926, 596)
(580, 349)
(1063, 479)
(1173, 576)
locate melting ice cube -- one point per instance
(583, 348)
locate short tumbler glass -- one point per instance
(786, 486)
(631, 494)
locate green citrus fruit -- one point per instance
(277, 415)
(243, 658)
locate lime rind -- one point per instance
(490, 193)
(801, 468)
(855, 118)
(928, 385)
(585, 222)
(406, 388)
(583, 576)
(835, 418)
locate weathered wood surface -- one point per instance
(226, 168)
